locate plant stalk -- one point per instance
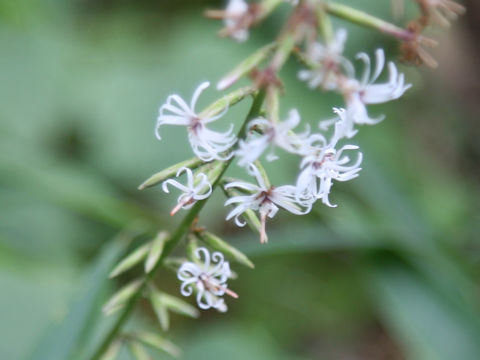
(362, 18)
(182, 230)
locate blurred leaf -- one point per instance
(158, 342)
(118, 299)
(137, 350)
(71, 186)
(427, 324)
(179, 306)
(218, 244)
(160, 309)
(234, 342)
(162, 302)
(67, 338)
(156, 250)
(131, 260)
(112, 351)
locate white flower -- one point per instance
(344, 127)
(206, 144)
(323, 163)
(359, 93)
(198, 188)
(208, 278)
(330, 63)
(234, 20)
(263, 199)
(272, 134)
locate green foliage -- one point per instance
(81, 88)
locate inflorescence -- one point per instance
(326, 153)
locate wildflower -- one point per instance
(198, 188)
(272, 134)
(359, 93)
(206, 144)
(208, 278)
(323, 163)
(329, 63)
(264, 199)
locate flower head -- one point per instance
(263, 199)
(359, 93)
(208, 278)
(206, 144)
(329, 61)
(272, 134)
(323, 163)
(197, 188)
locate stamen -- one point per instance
(180, 205)
(228, 291)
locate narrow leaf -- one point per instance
(218, 244)
(179, 306)
(160, 310)
(173, 263)
(121, 297)
(138, 351)
(228, 100)
(153, 180)
(131, 260)
(113, 350)
(156, 250)
(158, 342)
(429, 325)
(72, 335)
(246, 66)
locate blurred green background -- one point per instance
(391, 273)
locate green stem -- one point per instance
(178, 235)
(324, 25)
(362, 18)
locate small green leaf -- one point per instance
(218, 244)
(112, 351)
(160, 310)
(121, 297)
(157, 178)
(131, 260)
(156, 250)
(228, 100)
(173, 263)
(158, 342)
(246, 66)
(179, 306)
(137, 350)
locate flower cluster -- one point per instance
(322, 161)
(207, 277)
(326, 153)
